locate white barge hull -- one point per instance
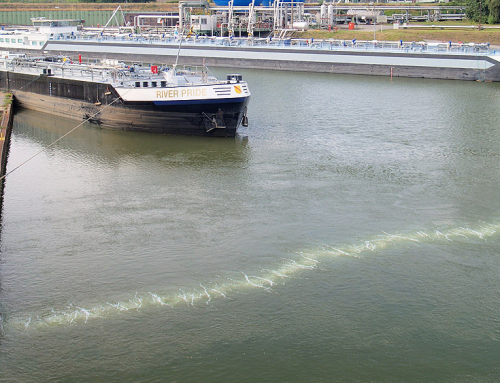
(442, 65)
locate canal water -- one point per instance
(350, 233)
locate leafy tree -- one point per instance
(494, 15)
(477, 10)
(484, 11)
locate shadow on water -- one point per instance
(3, 172)
(113, 146)
(2, 182)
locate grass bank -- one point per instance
(491, 36)
(7, 99)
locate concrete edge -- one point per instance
(6, 129)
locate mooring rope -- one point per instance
(32, 81)
(60, 138)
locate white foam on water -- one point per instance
(302, 262)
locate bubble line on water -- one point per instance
(269, 278)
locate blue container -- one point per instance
(246, 3)
(236, 3)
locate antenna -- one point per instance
(179, 50)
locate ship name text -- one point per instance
(176, 93)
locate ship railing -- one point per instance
(375, 45)
(196, 75)
(68, 70)
(320, 44)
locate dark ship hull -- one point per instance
(100, 103)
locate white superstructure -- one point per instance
(43, 30)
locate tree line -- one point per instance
(483, 11)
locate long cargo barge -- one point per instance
(441, 61)
(114, 95)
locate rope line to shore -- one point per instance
(60, 138)
(31, 82)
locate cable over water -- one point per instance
(60, 138)
(204, 294)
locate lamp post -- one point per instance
(374, 25)
(374, 22)
(479, 27)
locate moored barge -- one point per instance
(113, 95)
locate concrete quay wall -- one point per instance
(6, 119)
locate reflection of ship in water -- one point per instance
(112, 147)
